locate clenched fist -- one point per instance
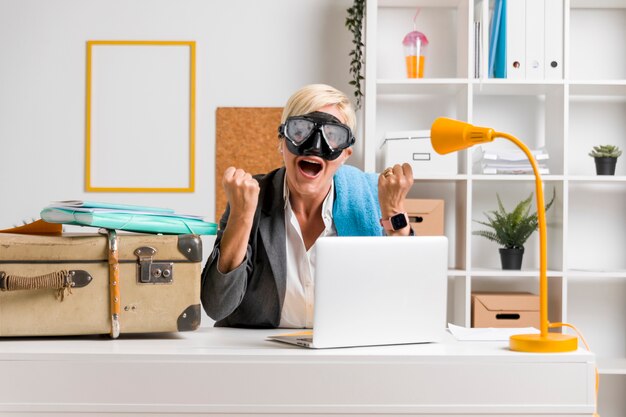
(393, 186)
(242, 192)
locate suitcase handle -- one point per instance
(59, 280)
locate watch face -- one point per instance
(398, 221)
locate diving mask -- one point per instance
(318, 133)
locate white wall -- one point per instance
(249, 53)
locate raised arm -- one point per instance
(225, 276)
(242, 192)
(393, 186)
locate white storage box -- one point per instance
(413, 146)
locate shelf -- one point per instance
(598, 88)
(597, 4)
(420, 3)
(457, 177)
(611, 366)
(445, 86)
(492, 86)
(490, 272)
(591, 274)
(597, 178)
(485, 177)
(452, 177)
(567, 117)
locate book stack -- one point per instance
(126, 217)
(526, 39)
(508, 161)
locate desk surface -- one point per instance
(215, 370)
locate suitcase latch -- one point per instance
(152, 272)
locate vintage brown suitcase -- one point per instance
(99, 284)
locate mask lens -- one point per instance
(298, 130)
(337, 136)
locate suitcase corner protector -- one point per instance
(189, 319)
(191, 247)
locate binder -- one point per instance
(493, 36)
(500, 44)
(535, 27)
(553, 53)
(515, 39)
(477, 49)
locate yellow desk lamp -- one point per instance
(449, 135)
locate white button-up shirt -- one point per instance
(299, 302)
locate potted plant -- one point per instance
(354, 23)
(605, 157)
(511, 229)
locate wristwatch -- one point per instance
(396, 222)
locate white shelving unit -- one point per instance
(587, 107)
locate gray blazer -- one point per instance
(252, 295)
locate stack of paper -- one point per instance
(488, 333)
(126, 217)
(508, 161)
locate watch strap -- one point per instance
(388, 225)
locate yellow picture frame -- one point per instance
(94, 181)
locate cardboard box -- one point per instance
(492, 309)
(414, 147)
(425, 216)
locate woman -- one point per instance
(260, 273)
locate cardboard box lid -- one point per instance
(419, 206)
(518, 301)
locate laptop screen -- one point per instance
(380, 290)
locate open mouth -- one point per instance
(309, 167)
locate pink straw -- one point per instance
(417, 12)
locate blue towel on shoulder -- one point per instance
(356, 211)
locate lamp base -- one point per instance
(551, 342)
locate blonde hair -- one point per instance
(313, 97)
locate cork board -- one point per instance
(246, 138)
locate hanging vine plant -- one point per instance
(354, 23)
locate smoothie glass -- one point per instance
(415, 45)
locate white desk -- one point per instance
(237, 372)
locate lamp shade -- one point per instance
(448, 135)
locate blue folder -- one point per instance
(129, 220)
(500, 58)
(493, 36)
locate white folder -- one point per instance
(516, 39)
(535, 21)
(553, 54)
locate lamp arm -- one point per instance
(541, 217)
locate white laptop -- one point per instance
(377, 291)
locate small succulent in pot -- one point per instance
(605, 157)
